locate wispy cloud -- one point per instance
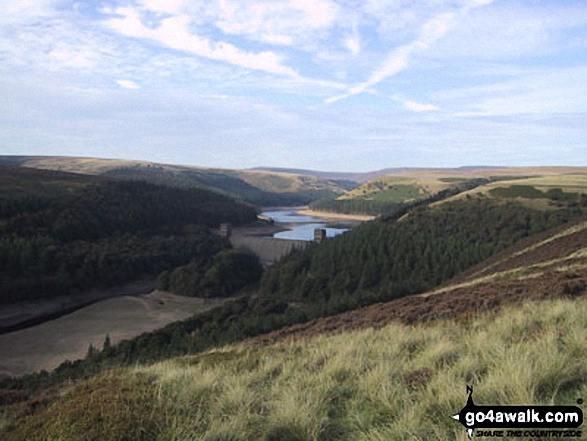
(353, 42)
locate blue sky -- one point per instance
(343, 85)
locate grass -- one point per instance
(398, 382)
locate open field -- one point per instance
(48, 344)
(400, 188)
(16, 316)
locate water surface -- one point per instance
(300, 227)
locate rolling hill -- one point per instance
(262, 188)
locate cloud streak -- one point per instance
(399, 59)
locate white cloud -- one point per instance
(510, 30)
(277, 39)
(128, 84)
(18, 7)
(174, 33)
(283, 22)
(551, 92)
(399, 59)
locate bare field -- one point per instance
(47, 345)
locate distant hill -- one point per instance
(262, 188)
(368, 176)
(423, 172)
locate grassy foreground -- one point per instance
(395, 383)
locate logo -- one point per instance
(482, 419)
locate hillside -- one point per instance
(22, 182)
(377, 261)
(394, 370)
(261, 188)
(540, 192)
(389, 193)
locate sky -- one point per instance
(338, 85)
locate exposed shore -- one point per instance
(29, 313)
(306, 211)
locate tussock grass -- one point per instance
(394, 383)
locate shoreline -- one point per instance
(22, 315)
(306, 211)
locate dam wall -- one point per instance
(268, 249)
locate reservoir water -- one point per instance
(301, 227)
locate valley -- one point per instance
(451, 251)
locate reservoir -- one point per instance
(301, 227)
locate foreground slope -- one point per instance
(398, 382)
